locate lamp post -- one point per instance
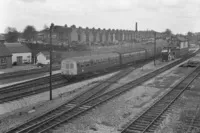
(154, 48)
(50, 71)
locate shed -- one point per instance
(5, 55)
(20, 53)
(43, 57)
(181, 46)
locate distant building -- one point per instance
(43, 57)
(20, 53)
(5, 55)
(179, 46)
(63, 35)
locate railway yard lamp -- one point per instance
(50, 70)
(154, 48)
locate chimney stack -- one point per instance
(136, 27)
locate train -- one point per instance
(76, 66)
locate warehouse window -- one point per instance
(3, 60)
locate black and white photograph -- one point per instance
(100, 66)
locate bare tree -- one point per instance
(168, 32)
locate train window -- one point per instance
(67, 66)
(71, 65)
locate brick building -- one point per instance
(63, 35)
(5, 55)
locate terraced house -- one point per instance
(64, 35)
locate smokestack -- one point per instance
(136, 27)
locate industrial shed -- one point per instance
(20, 53)
(43, 57)
(181, 47)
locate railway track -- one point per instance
(26, 72)
(194, 121)
(94, 91)
(151, 118)
(31, 87)
(83, 103)
(36, 86)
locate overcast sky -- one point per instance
(180, 16)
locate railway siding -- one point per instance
(149, 120)
(84, 107)
(95, 101)
(185, 115)
(26, 72)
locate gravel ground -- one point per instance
(18, 68)
(111, 116)
(138, 73)
(18, 116)
(104, 118)
(20, 79)
(185, 108)
(21, 115)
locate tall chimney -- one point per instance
(136, 27)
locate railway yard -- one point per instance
(140, 97)
(100, 66)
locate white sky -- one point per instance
(180, 16)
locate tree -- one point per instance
(168, 32)
(189, 34)
(29, 32)
(11, 34)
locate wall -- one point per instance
(74, 35)
(83, 37)
(8, 63)
(91, 37)
(184, 44)
(42, 59)
(24, 57)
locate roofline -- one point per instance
(6, 56)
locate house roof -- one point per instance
(181, 38)
(93, 57)
(17, 48)
(46, 54)
(4, 51)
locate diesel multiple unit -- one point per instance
(76, 66)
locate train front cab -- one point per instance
(68, 68)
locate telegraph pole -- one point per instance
(50, 71)
(154, 48)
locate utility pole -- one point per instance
(154, 48)
(50, 71)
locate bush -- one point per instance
(14, 63)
